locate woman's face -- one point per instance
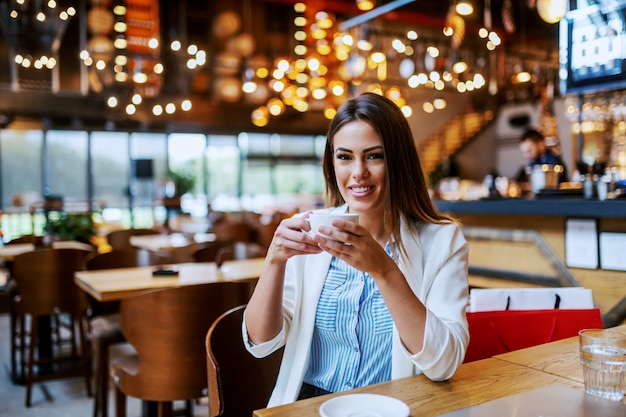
(359, 164)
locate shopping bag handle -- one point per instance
(557, 302)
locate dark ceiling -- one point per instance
(270, 23)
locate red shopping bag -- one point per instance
(495, 332)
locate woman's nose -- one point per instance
(359, 170)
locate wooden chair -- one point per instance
(208, 252)
(228, 250)
(238, 382)
(234, 230)
(183, 254)
(22, 239)
(45, 285)
(120, 239)
(167, 329)
(104, 323)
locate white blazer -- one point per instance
(437, 274)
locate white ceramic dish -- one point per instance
(364, 405)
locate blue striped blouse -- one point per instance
(352, 338)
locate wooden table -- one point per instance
(474, 383)
(115, 284)
(158, 243)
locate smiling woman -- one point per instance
(369, 301)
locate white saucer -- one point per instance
(364, 405)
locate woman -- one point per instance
(386, 298)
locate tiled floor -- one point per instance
(58, 398)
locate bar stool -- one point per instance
(45, 288)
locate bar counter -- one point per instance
(563, 206)
(521, 242)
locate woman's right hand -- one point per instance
(264, 317)
(290, 239)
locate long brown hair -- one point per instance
(407, 192)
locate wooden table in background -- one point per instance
(157, 243)
(115, 284)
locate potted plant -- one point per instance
(184, 181)
(72, 226)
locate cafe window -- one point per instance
(67, 168)
(299, 178)
(223, 162)
(111, 173)
(280, 170)
(256, 180)
(186, 158)
(147, 146)
(21, 176)
(298, 170)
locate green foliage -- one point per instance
(73, 226)
(185, 180)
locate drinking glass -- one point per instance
(603, 357)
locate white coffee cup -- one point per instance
(326, 219)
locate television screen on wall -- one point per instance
(592, 47)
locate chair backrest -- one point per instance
(183, 254)
(230, 250)
(45, 281)
(238, 382)
(22, 239)
(125, 258)
(167, 329)
(208, 252)
(233, 230)
(120, 239)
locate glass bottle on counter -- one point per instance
(588, 186)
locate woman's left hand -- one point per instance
(355, 245)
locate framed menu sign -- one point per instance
(592, 48)
(581, 243)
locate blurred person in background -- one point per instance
(533, 146)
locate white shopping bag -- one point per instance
(500, 299)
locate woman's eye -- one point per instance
(343, 156)
(376, 156)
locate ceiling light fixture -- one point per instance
(365, 5)
(551, 11)
(464, 8)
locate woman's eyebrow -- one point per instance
(343, 149)
(373, 148)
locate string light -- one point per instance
(33, 49)
(132, 62)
